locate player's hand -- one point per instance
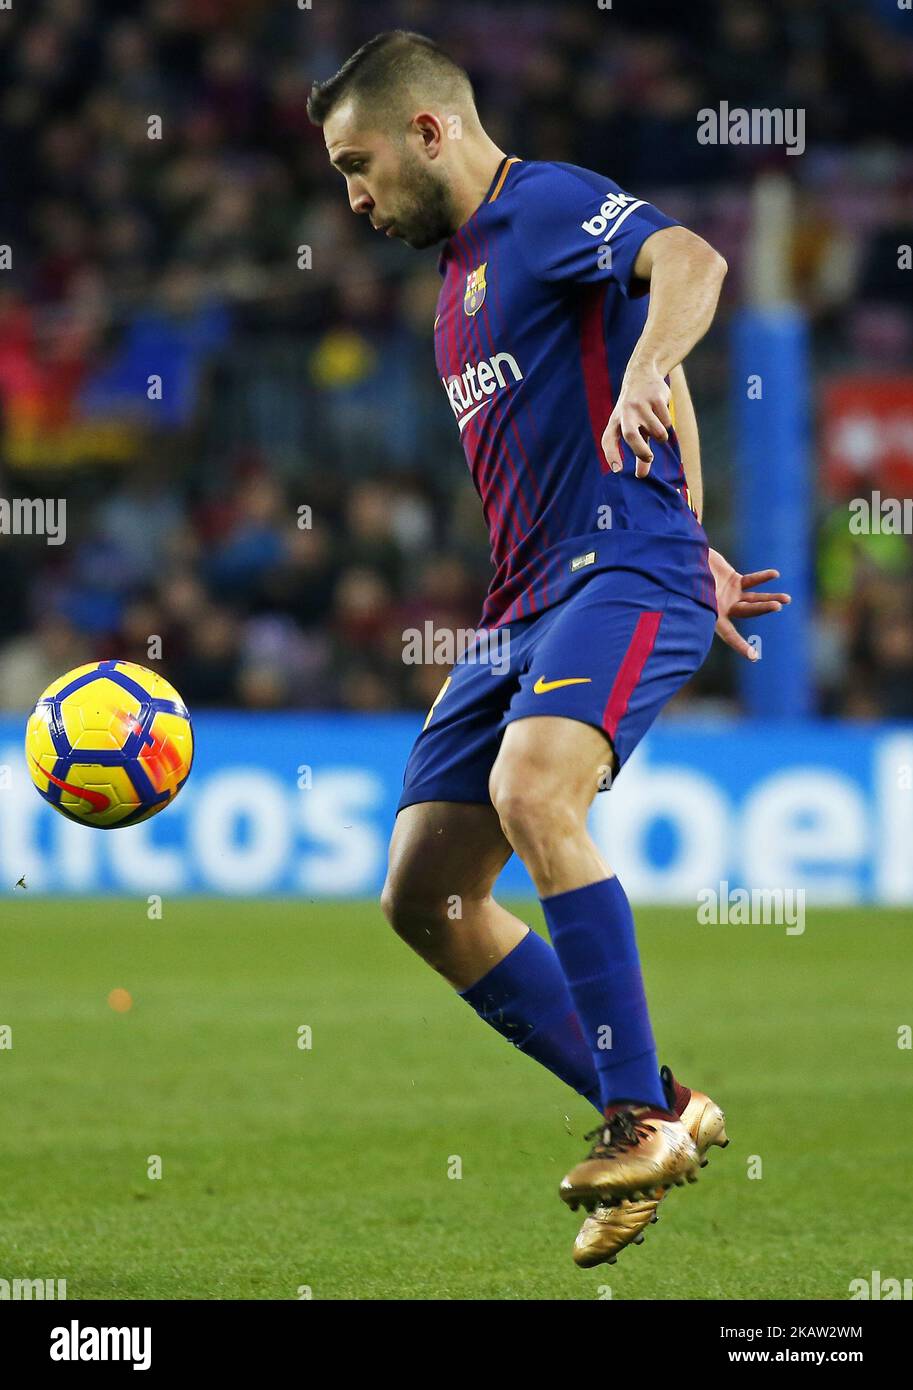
(641, 413)
(735, 600)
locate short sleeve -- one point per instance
(578, 226)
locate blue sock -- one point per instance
(592, 930)
(525, 999)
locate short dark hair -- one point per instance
(390, 62)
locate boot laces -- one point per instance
(621, 1132)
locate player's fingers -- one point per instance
(642, 468)
(780, 599)
(753, 610)
(664, 413)
(631, 429)
(611, 445)
(654, 426)
(751, 581)
(734, 639)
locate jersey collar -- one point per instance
(500, 178)
(493, 192)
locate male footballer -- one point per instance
(566, 310)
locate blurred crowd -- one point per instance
(231, 380)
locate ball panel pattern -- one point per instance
(109, 744)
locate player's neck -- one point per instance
(470, 184)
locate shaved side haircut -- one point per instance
(392, 72)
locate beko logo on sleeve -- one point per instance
(613, 212)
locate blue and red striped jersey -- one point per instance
(537, 318)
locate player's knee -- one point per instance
(532, 812)
(411, 907)
(394, 902)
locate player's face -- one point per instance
(389, 181)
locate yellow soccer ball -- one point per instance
(109, 744)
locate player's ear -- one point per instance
(430, 132)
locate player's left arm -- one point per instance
(735, 599)
(685, 421)
(736, 594)
(685, 276)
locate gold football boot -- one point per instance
(636, 1149)
(610, 1228)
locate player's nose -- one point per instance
(360, 200)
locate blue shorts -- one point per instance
(610, 655)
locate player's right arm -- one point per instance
(577, 226)
(685, 276)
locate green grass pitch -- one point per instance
(327, 1167)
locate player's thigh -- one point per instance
(549, 765)
(614, 655)
(439, 849)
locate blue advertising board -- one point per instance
(303, 804)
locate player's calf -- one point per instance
(446, 856)
(444, 859)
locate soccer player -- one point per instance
(566, 311)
